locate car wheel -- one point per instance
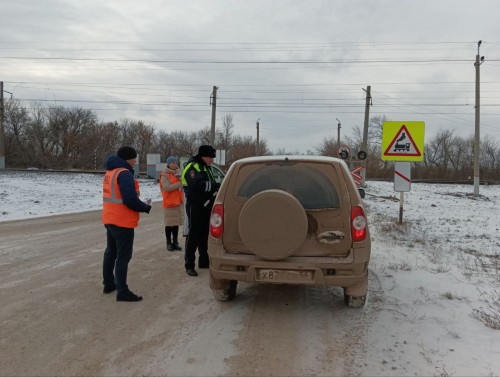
(227, 294)
(273, 224)
(354, 301)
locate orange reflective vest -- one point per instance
(113, 210)
(171, 198)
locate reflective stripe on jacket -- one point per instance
(113, 210)
(206, 170)
(186, 168)
(172, 198)
(198, 182)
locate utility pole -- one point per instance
(257, 143)
(2, 134)
(365, 132)
(476, 135)
(338, 132)
(213, 102)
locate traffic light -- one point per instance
(362, 155)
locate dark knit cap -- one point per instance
(126, 152)
(206, 151)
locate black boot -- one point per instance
(175, 232)
(168, 235)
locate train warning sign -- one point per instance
(403, 141)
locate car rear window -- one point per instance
(310, 186)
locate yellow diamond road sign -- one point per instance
(403, 141)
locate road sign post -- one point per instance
(402, 183)
(402, 142)
(401, 205)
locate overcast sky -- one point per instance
(296, 65)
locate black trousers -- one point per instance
(197, 238)
(117, 255)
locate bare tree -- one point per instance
(243, 146)
(328, 148)
(38, 142)
(489, 153)
(16, 122)
(58, 137)
(224, 137)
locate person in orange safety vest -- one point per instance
(120, 215)
(173, 202)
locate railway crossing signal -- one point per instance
(356, 175)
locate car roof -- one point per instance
(289, 157)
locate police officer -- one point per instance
(200, 189)
(120, 215)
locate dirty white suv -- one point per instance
(289, 220)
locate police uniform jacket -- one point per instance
(198, 182)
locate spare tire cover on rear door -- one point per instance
(273, 224)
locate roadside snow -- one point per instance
(34, 193)
(437, 269)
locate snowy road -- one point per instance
(56, 321)
(427, 278)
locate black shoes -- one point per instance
(173, 246)
(128, 296)
(109, 289)
(191, 272)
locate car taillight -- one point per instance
(217, 221)
(358, 224)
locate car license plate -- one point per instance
(283, 275)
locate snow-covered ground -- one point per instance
(35, 193)
(438, 273)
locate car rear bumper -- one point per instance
(350, 271)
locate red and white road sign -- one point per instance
(356, 176)
(402, 144)
(344, 148)
(402, 176)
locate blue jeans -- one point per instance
(118, 253)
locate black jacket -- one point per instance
(198, 182)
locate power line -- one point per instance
(256, 85)
(210, 61)
(248, 104)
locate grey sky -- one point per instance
(296, 65)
